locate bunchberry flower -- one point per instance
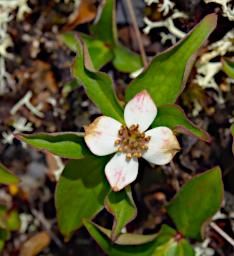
(131, 141)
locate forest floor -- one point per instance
(39, 68)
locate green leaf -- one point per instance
(67, 144)
(127, 238)
(162, 244)
(166, 76)
(1, 245)
(197, 201)
(228, 67)
(69, 38)
(173, 116)
(4, 234)
(104, 27)
(13, 221)
(6, 177)
(125, 60)
(100, 53)
(9, 220)
(98, 86)
(80, 192)
(70, 86)
(122, 206)
(3, 211)
(184, 249)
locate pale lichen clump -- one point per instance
(131, 141)
(21, 124)
(227, 7)
(165, 7)
(208, 66)
(6, 15)
(203, 249)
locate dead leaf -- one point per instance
(85, 12)
(35, 244)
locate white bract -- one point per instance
(130, 141)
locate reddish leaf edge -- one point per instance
(10, 172)
(113, 236)
(212, 18)
(206, 223)
(181, 129)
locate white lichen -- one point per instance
(60, 167)
(7, 8)
(166, 6)
(219, 48)
(7, 137)
(20, 125)
(206, 78)
(207, 68)
(11, 5)
(167, 23)
(167, 37)
(25, 101)
(25, 221)
(163, 7)
(202, 249)
(227, 7)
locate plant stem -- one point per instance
(222, 233)
(137, 31)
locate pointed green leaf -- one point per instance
(228, 67)
(80, 192)
(122, 206)
(98, 86)
(127, 238)
(3, 211)
(66, 144)
(184, 248)
(125, 60)
(6, 177)
(105, 30)
(174, 248)
(1, 245)
(4, 234)
(173, 116)
(9, 220)
(165, 77)
(104, 27)
(197, 201)
(70, 39)
(13, 220)
(162, 244)
(100, 53)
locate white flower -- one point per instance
(130, 141)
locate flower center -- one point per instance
(131, 141)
